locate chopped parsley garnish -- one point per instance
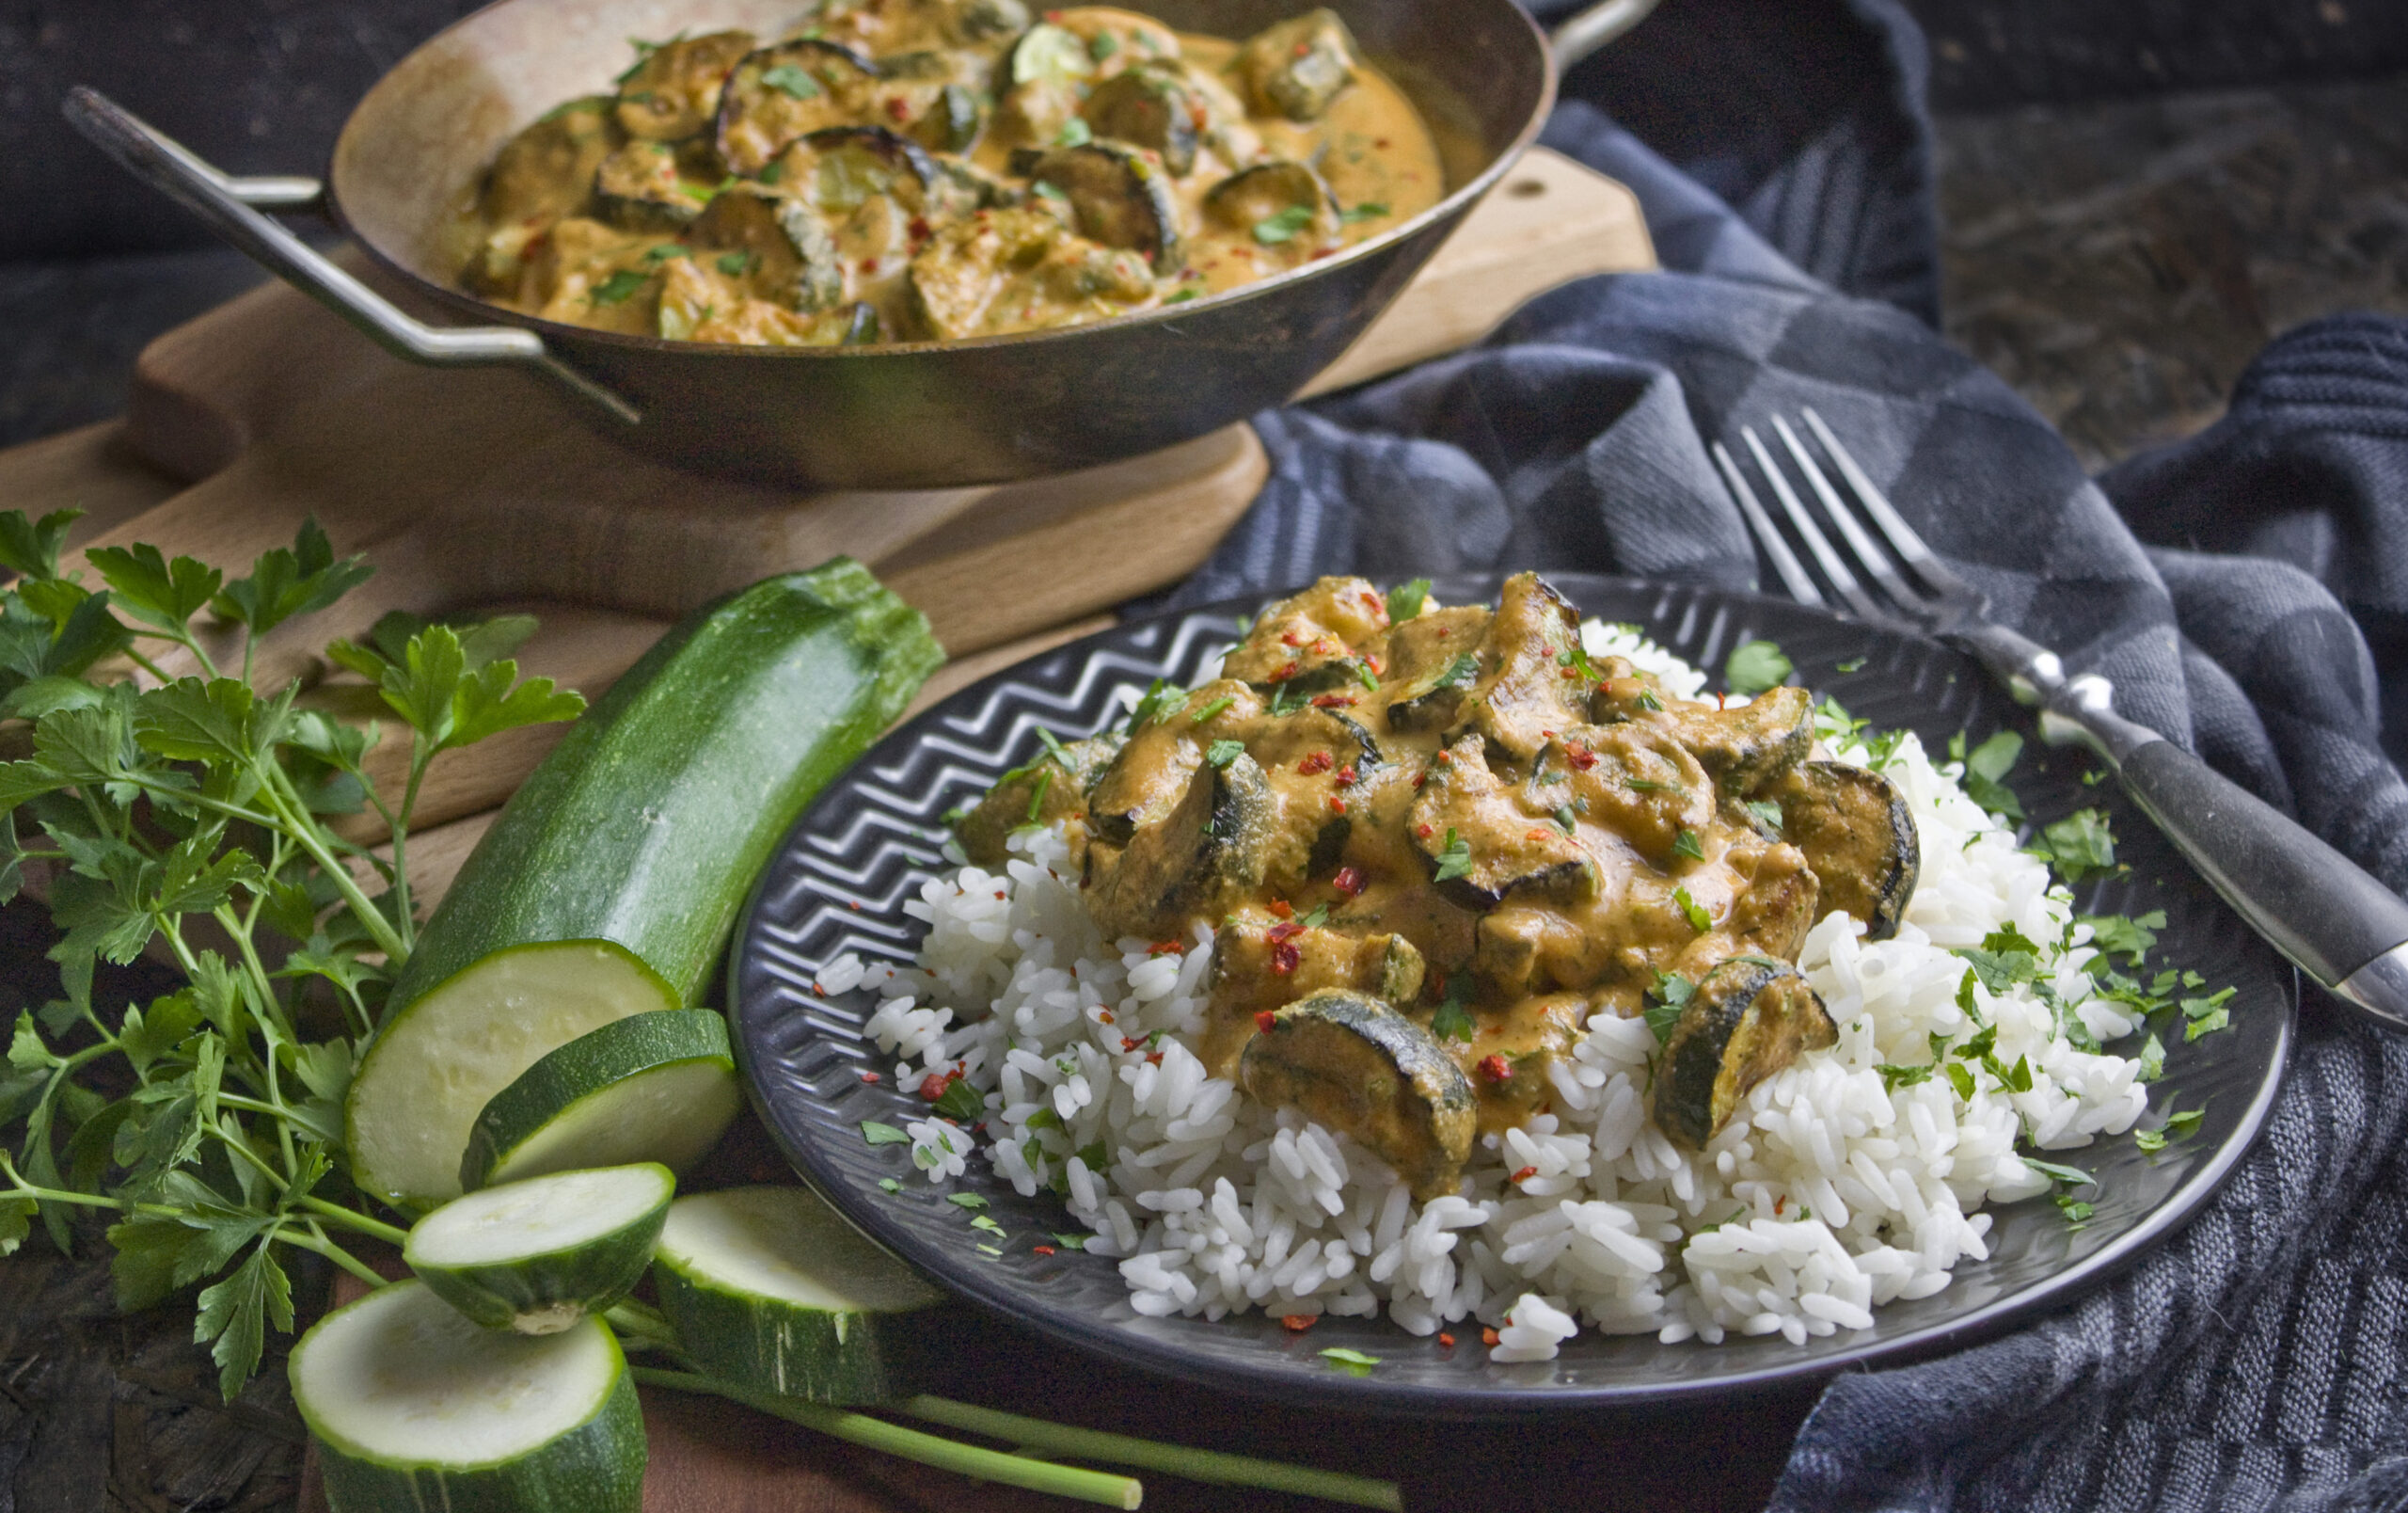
(1454, 857)
(2079, 845)
(1092, 1156)
(789, 79)
(1894, 1077)
(1353, 1362)
(737, 264)
(1282, 227)
(1181, 297)
(2077, 1212)
(1287, 699)
(1222, 753)
(1853, 664)
(1318, 917)
(1986, 768)
(1961, 1078)
(2152, 1060)
(1685, 844)
(664, 252)
(1036, 797)
(889, 1184)
(1158, 698)
(1669, 995)
(2016, 1079)
(1648, 701)
(643, 56)
(1073, 1242)
(1452, 1020)
(966, 1199)
(1213, 708)
(1102, 45)
(1563, 818)
(962, 1102)
(1699, 919)
(878, 1132)
(1074, 132)
(1406, 600)
(1359, 214)
(2005, 958)
(2206, 1016)
(2073, 1176)
(618, 288)
(1369, 679)
(1463, 669)
(1754, 666)
(1649, 785)
(1766, 813)
(983, 1222)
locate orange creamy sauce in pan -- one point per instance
(942, 169)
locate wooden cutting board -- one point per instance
(473, 492)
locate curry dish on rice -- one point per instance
(1433, 844)
(944, 169)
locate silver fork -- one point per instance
(2333, 920)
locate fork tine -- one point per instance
(1793, 573)
(1870, 558)
(1816, 543)
(1902, 538)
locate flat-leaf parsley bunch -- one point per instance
(175, 807)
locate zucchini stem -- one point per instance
(912, 1444)
(1179, 1460)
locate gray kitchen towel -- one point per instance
(2230, 587)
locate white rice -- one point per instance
(1826, 1197)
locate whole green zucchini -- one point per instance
(608, 884)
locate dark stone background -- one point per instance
(2135, 195)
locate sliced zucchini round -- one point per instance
(640, 189)
(414, 1406)
(1281, 204)
(1750, 1017)
(673, 91)
(779, 94)
(652, 1087)
(787, 256)
(1859, 837)
(1120, 199)
(1355, 1065)
(1047, 54)
(1146, 106)
(1296, 67)
(536, 1257)
(768, 1288)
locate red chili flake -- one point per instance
(999, 893)
(1128, 1044)
(1568, 672)
(1581, 757)
(854, 904)
(1421, 777)
(1291, 639)
(1336, 804)
(1154, 1059)
(1281, 909)
(872, 1077)
(1371, 602)
(1380, 142)
(1723, 701)
(1446, 1340)
(1438, 981)
(1303, 48)
(932, 1087)
(1446, 759)
(1324, 646)
(1346, 775)
(1285, 957)
(1524, 1175)
(1379, 665)
(1298, 1322)
(898, 108)
(1325, 252)
(1424, 831)
(1494, 1069)
(1333, 701)
(921, 229)
(1534, 832)
(1779, 1203)
(1349, 881)
(1040, 1250)
(1319, 761)
(1287, 932)
(1264, 1020)
(1442, 632)
(818, 990)
(869, 264)
(1280, 675)
(1104, 1014)
(1547, 735)
(1488, 1337)
(1165, 947)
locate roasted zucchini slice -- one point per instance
(1632, 779)
(1296, 67)
(1279, 204)
(782, 93)
(1047, 54)
(1115, 38)
(641, 188)
(1353, 1064)
(1053, 787)
(970, 23)
(1480, 844)
(1260, 964)
(1327, 625)
(840, 168)
(1527, 690)
(673, 93)
(952, 121)
(1857, 834)
(1118, 199)
(1210, 849)
(1749, 1018)
(1434, 660)
(1019, 269)
(777, 247)
(1150, 772)
(547, 171)
(1745, 747)
(1147, 106)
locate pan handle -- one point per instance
(1593, 28)
(225, 203)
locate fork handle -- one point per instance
(2334, 920)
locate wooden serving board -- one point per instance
(473, 492)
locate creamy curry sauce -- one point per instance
(915, 169)
(1434, 846)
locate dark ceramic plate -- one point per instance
(839, 882)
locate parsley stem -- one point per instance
(641, 1325)
(912, 1444)
(375, 1228)
(274, 789)
(1214, 1466)
(335, 1253)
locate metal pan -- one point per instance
(911, 414)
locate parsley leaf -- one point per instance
(966, 1199)
(2080, 845)
(1222, 753)
(1699, 919)
(1685, 844)
(2132, 937)
(1074, 132)
(1666, 998)
(2073, 1175)
(1454, 858)
(1852, 666)
(1451, 1021)
(1370, 210)
(1284, 225)
(962, 1102)
(1406, 600)
(790, 80)
(1754, 666)
(1986, 768)
(1353, 1362)
(1894, 1077)
(1766, 813)
(878, 1132)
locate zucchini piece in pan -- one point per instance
(1023, 270)
(1747, 746)
(1296, 67)
(1053, 787)
(781, 93)
(1527, 690)
(1115, 38)
(673, 91)
(778, 248)
(1047, 54)
(1282, 205)
(968, 22)
(1434, 662)
(1150, 772)
(1310, 642)
(641, 188)
(1354, 1066)
(1481, 845)
(1632, 779)
(1118, 198)
(1749, 1018)
(1859, 837)
(547, 170)
(1147, 106)
(840, 168)
(1214, 846)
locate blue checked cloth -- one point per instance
(2246, 590)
